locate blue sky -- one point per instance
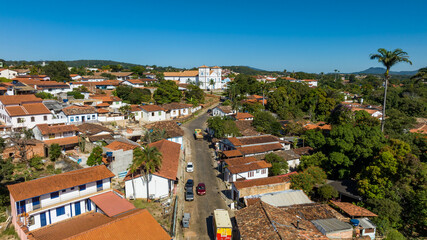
(311, 36)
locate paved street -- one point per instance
(202, 207)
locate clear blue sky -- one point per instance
(312, 36)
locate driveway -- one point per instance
(202, 207)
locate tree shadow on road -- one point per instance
(209, 227)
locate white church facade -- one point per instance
(206, 77)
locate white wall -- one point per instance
(158, 186)
(245, 175)
(56, 91)
(88, 118)
(9, 74)
(110, 119)
(148, 116)
(38, 119)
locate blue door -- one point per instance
(89, 205)
(77, 208)
(43, 219)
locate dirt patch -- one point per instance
(160, 211)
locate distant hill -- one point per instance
(248, 70)
(380, 70)
(77, 63)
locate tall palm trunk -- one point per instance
(385, 98)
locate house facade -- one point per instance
(245, 168)
(152, 113)
(223, 111)
(161, 183)
(23, 111)
(46, 132)
(45, 201)
(176, 110)
(79, 114)
(250, 145)
(7, 73)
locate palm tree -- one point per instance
(212, 83)
(148, 161)
(154, 135)
(421, 74)
(389, 59)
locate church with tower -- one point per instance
(207, 78)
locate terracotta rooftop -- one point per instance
(245, 164)
(27, 109)
(262, 181)
(152, 108)
(46, 129)
(263, 221)
(170, 159)
(173, 106)
(245, 128)
(260, 148)
(91, 128)
(353, 210)
(102, 137)
(111, 204)
(63, 141)
(182, 74)
(118, 145)
(135, 224)
(243, 116)
(104, 104)
(171, 127)
(286, 155)
(225, 109)
(241, 141)
(232, 153)
(19, 99)
(304, 151)
(106, 99)
(44, 185)
(102, 110)
(75, 110)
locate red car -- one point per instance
(201, 189)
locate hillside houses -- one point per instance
(206, 77)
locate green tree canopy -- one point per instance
(54, 152)
(95, 157)
(167, 92)
(57, 71)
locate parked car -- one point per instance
(189, 195)
(189, 184)
(201, 189)
(190, 167)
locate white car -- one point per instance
(190, 167)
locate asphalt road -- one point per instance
(202, 207)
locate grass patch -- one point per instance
(10, 231)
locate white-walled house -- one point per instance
(176, 110)
(47, 132)
(153, 113)
(223, 111)
(161, 183)
(23, 111)
(7, 73)
(48, 200)
(202, 77)
(79, 114)
(245, 168)
(173, 131)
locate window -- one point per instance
(257, 171)
(33, 119)
(93, 116)
(64, 190)
(20, 207)
(72, 188)
(52, 135)
(82, 187)
(36, 203)
(88, 117)
(250, 174)
(99, 185)
(21, 120)
(60, 211)
(152, 114)
(263, 171)
(160, 113)
(31, 221)
(77, 119)
(45, 118)
(71, 119)
(54, 195)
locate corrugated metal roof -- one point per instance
(286, 198)
(366, 223)
(331, 225)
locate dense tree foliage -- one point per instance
(279, 165)
(95, 157)
(57, 71)
(133, 95)
(54, 152)
(167, 92)
(267, 123)
(307, 179)
(194, 95)
(223, 127)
